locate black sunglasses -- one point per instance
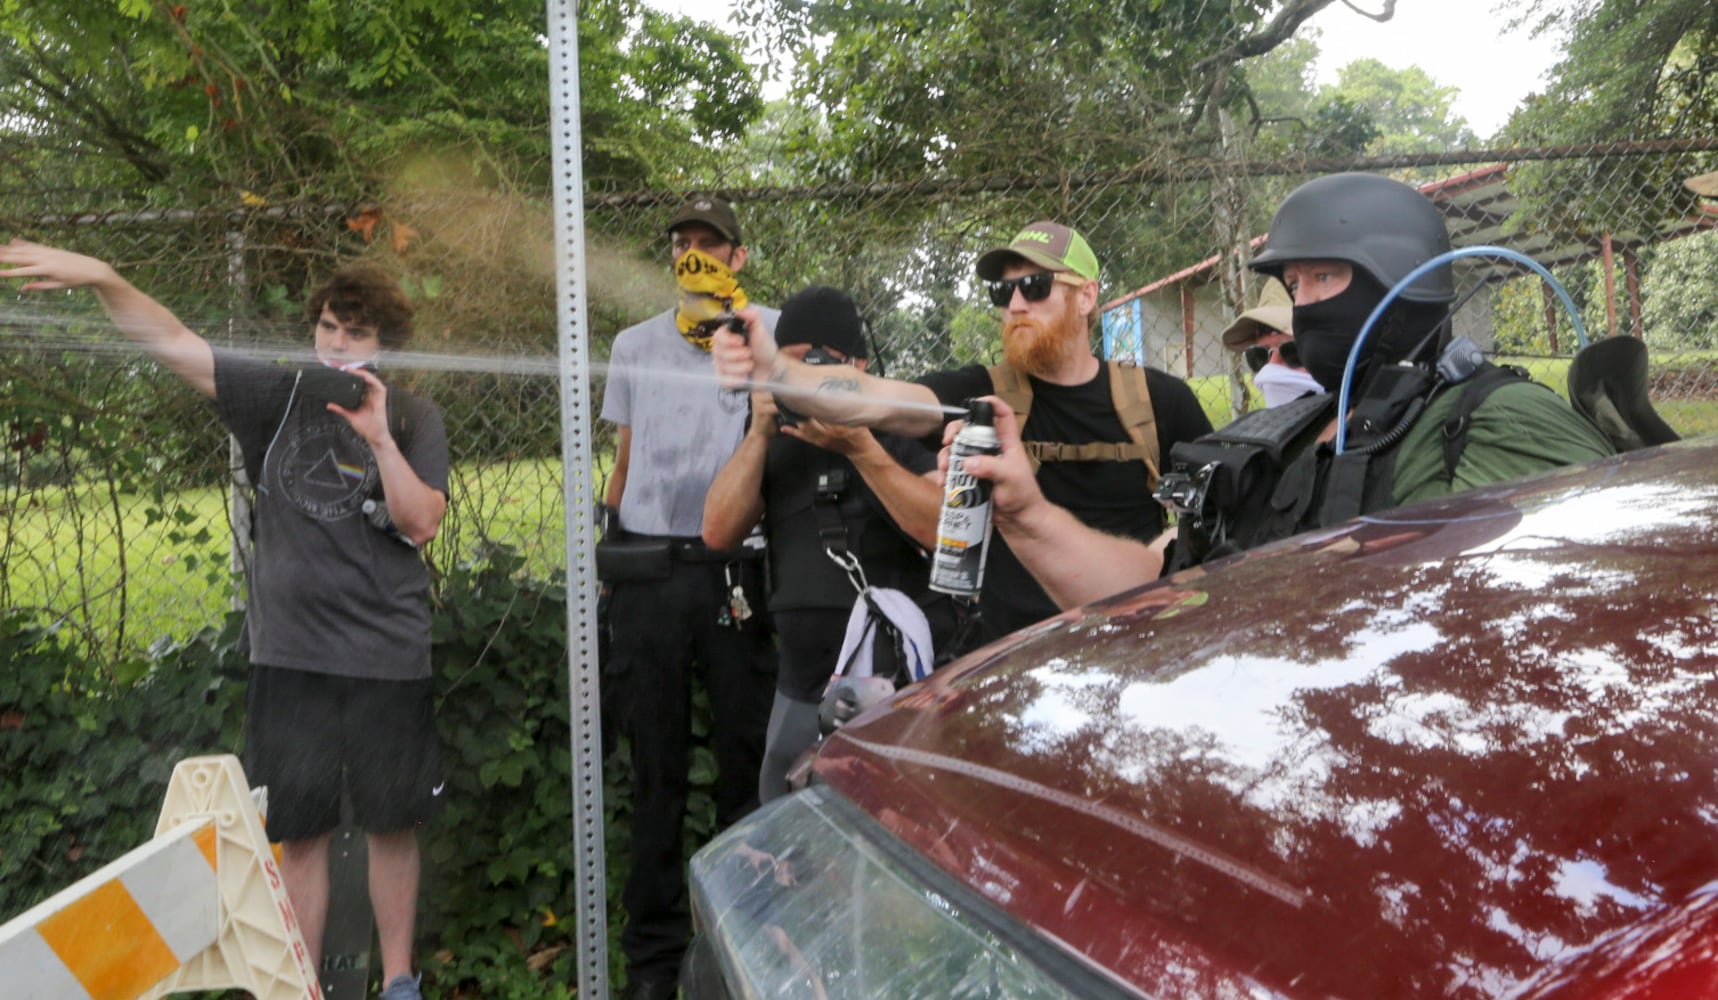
(1259, 355)
(1036, 288)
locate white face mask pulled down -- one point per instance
(1282, 384)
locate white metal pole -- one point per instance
(577, 484)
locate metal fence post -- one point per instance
(575, 372)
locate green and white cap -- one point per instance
(1047, 244)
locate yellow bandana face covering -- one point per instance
(708, 294)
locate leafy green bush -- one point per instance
(501, 868)
(85, 756)
(85, 759)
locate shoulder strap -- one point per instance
(831, 526)
(1474, 393)
(1132, 399)
(399, 401)
(1013, 388)
(399, 427)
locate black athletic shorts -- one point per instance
(308, 735)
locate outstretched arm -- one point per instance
(140, 318)
(837, 394)
(1074, 563)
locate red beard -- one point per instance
(1037, 346)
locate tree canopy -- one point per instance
(1409, 111)
(966, 87)
(1633, 69)
(295, 99)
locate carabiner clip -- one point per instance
(850, 563)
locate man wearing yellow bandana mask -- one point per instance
(709, 294)
(673, 606)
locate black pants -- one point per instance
(663, 630)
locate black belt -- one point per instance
(693, 550)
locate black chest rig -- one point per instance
(1231, 488)
(820, 520)
(1266, 476)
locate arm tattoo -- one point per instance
(839, 385)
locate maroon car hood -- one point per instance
(1462, 749)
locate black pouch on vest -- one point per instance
(629, 559)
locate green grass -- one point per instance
(121, 578)
(125, 581)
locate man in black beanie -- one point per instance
(828, 496)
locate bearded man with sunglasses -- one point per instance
(1044, 284)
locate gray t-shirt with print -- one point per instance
(684, 428)
(330, 593)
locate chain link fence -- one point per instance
(116, 495)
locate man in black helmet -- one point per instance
(1427, 415)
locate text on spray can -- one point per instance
(963, 528)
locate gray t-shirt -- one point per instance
(684, 428)
(329, 592)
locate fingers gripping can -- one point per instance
(963, 528)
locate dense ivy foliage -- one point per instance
(85, 759)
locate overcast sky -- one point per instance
(1460, 43)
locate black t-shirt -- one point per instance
(1112, 496)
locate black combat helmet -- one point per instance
(1383, 227)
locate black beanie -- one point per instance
(822, 317)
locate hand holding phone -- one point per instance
(322, 384)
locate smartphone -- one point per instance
(322, 384)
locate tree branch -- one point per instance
(1273, 33)
(1386, 14)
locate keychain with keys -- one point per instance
(738, 609)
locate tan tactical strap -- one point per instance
(1013, 388)
(1133, 407)
(1132, 400)
(1092, 451)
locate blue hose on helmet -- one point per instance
(1413, 276)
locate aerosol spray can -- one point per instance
(963, 529)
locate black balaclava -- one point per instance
(1325, 331)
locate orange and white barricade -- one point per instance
(199, 907)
